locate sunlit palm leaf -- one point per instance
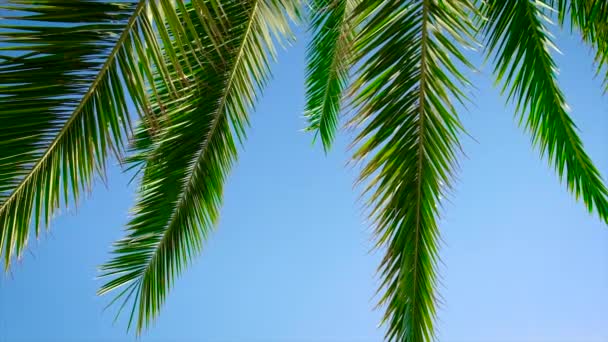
(186, 164)
(409, 140)
(193, 70)
(329, 60)
(519, 39)
(69, 70)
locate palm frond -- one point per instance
(61, 107)
(70, 69)
(329, 60)
(521, 43)
(186, 162)
(408, 139)
(590, 17)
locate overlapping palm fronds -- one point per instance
(408, 128)
(193, 70)
(67, 73)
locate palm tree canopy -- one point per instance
(193, 70)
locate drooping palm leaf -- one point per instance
(408, 140)
(590, 17)
(186, 164)
(329, 60)
(519, 40)
(61, 107)
(68, 71)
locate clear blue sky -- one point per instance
(522, 261)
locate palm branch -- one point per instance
(408, 139)
(590, 17)
(518, 37)
(62, 107)
(329, 61)
(186, 162)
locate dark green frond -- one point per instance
(187, 161)
(61, 107)
(519, 39)
(408, 140)
(329, 60)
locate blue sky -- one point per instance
(290, 260)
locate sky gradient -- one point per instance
(291, 261)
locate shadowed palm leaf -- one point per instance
(61, 108)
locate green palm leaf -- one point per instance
(61, 107)
(521, 44)
(71, 68)
(186, 163)
(329, 59)
(408, 140)
(590, 17)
